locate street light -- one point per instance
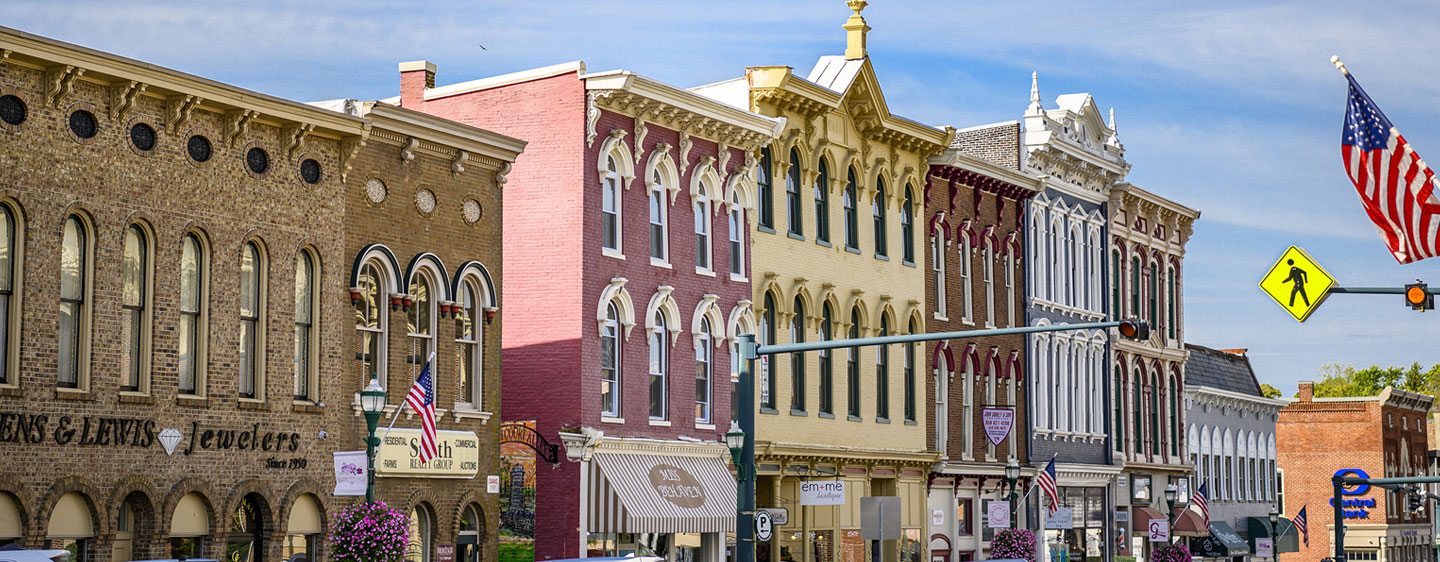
(1012, 475)
(1275, 532)
(372, 402)
(735, 440)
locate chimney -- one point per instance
(415, 78)
(1307, 391)
(855, 29)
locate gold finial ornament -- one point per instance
(1335, 60)
(855, 29)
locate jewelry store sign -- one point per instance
(399, 455)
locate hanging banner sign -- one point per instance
(1159, 530)
(1264, 548)
(350, 477)
(822, 492)
(998, 422)
(399, 455)
(1062, 518)
(998, 514)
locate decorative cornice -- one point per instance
(592, 114)
(178, 110)
(500, 174)
(237, 124)
(678, 119)
(349, 148)
(122, 99)
(293, 137)
(59, 83)
(685, 145)
(457, 165)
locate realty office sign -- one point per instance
(997, 422)
(822, 492)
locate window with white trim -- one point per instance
(737, 227)
(702, 228)
(659, 234)
(194, 282)
(371, 322)
(610, 206)
(967, 263)
(420, 321)
(251, 355)
(306, 356)
(659, 368)
(704, 366)
(610, 363)
(75, 252)
(989, 272)
(135, 299)
(470, 344)
(937, 268)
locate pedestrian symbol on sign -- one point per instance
(1294, 275)
(1297, 276)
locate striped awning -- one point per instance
(639, 493)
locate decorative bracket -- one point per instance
(457, 165)
(640, 131)
(122, 99)
(349, 148)
(724, 157)
(293, 138)
(237, 123)
(685, 145)
(500, 174)
(59, 83)
(407, 152)
(178, 110)
(592, 114)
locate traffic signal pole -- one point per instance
(749, 352)
(1339, 483)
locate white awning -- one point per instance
(638, 493)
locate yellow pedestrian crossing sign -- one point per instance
(1298, 283)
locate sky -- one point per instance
(1232, 108)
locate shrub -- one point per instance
(1172, 553)
(369, 532)
(1013, 543)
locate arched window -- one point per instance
(11, 243)
(1040, 354)
(852, 382)
(1154, 294)
(420, 320)
(1173, 298)
(1138, 419)
(246, 540)
(737, 226)
(472, 535)
(1155, 415)
(610, 363)
(988, 271)
(878, 209)
(1115, 303)
(659, 220)
(852, 216)
(1135, 286)
(610, 206)
(1072, 258)
(704, 366)
(792, 195)
(967, 264)
(252, 312)
(1117, 420)
(797, 360)
(1174, 418)
(422, 535)
(702, 228)
(764, 182)
(659, 368)
(74, 303)
(194, 284)
(968, 408)
(827, 369)
(470, 345)
(1060, 385)
(1010, 304)
(910, 374)
(136, 302)
(882, 373)
(371, 321)
(937, 268)
(306, 355)
(907, 228)
(767, 333)
(822, 203)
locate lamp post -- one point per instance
(1176, 504)
(372, 402)
(1275, 532)
(1012, 475)
(735, 440)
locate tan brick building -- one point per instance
(175, 255)
(1377, 436)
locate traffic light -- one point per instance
(1416, 502)
(1134, 330)
(1418, 296)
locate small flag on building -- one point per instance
(1202, 503)
(1302, 526)
(422, 400)
(1046, 480)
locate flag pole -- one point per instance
(401, 407)
(1335, 60)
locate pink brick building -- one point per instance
(627, 281)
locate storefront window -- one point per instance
(1084, 540)
(303, 530)
(468, 547)
(421, 533)
(244, 542)
(963, 525)
(911, 549)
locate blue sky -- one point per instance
(1231, 108)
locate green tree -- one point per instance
(1269, 391)
(1337, 380)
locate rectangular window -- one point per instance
(822, 204)
(1135, 286)
(737, 244)
(1115, 285)
(135, 300)
(703, 365)
(963, 517)
(657, 221)
(878, 210)
(252, 274)
(967, 302)
(192, 283)
(468, 337)
(910, 381)
(610, 365)
(304, 324)
(659, 364)
(1170, 303)
(989, 272)
(882, 378)
(797, 360)
(1154, 295)
(853, 382)
(764, 183)
(610, 207)
(702, 235)
(792, 197)
(937, 268)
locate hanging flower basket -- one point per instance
(1018, 544)
(1172, 553)
(369, 532)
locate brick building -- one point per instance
(422, 232)
(1376, 436)
(158, 228)
(631, 193)
(974, 208)
(177, 257)
(837, 255)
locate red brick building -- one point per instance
(1379, 436)
(974, 209)
(626, 265)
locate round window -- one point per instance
(310, 171)
(83, 124)
(257, 160)
(198, 147)
(142, 135)
(12, 110)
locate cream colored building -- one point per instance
(835, 251)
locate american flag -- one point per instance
(1396, 188)
(1202, 503)
(1300, 524)
(422, 399)
(1046, 480)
